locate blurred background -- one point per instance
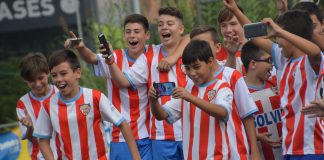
(42, 26)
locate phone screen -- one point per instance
(164, 89)
(102, 40)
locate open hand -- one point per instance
(314, 109)
(265, 137)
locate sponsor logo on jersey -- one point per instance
(267, 119)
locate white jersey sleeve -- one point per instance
(173, 108)
(244, 101)
(43, 127)
(109, 112)
(139, 73)
(101, 69)
(224, 98)
(278, 60)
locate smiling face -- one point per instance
(200, 72)
(232, 27)
(39, 86)
(135, 36)
(170, 29)
(263, 66)
(66, 79)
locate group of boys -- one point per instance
(213, 113)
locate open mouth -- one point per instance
(60, 86)
(166, 35)
(133, 43)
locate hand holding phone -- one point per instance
(164, 89)
(74, 42)
(255, 30)
(103, 41)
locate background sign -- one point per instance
(18, 15)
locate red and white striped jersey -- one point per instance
(145, 72)
(301, 134)
(78, 124)
(268, 118)
(204, 136)
(222, 55)
(131, 103)
(32, 105)
(242, 107)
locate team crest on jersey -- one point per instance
(85, 109)
(211, 95)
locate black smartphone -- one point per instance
(255, 30)
(102, 40)
(164, 89)
(74, 41)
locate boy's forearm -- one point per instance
(118, 76)
(231, 61)
(45, 148)
(251, 134)
(87, 55)
(306, 46)
(182, 45)
(158, 112)
(212, 109)
(29, 134)
(129, 138)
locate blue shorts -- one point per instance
(120, 150)
(171, 150)
(304, 157)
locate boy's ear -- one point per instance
(181, 28)
(77, 72)
(147, 35)
(252, 64)
(218, 47)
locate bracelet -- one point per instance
(110, 60)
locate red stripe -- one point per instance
(168, 129)
(318, 137)
(218, 151)
(290, 121)
(36, 106)
(227, 142)
(64, 129)
(149, 57)
(298, 140)
(83, 128)
(192, 111)
(35, 150)
(116, 95)
(58, 147)
(20, 105)
(99, 138)
(181, 76)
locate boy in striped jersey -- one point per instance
(34, 70)
(131, 103)
(300, 61)
(76, 115)
(166, 138)
(258, 65)
(240, 125)
(203, 106)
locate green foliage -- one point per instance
(12, 88)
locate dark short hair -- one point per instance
(297, 22)
(171, 11)
(137, 18)
(196, 50)
(310, 8)
(64, 55)
(225, 14)
(204, 29)
(32, 65)
(250, 52)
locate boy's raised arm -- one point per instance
(306, 46)
(265, 44)
(86, 54)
